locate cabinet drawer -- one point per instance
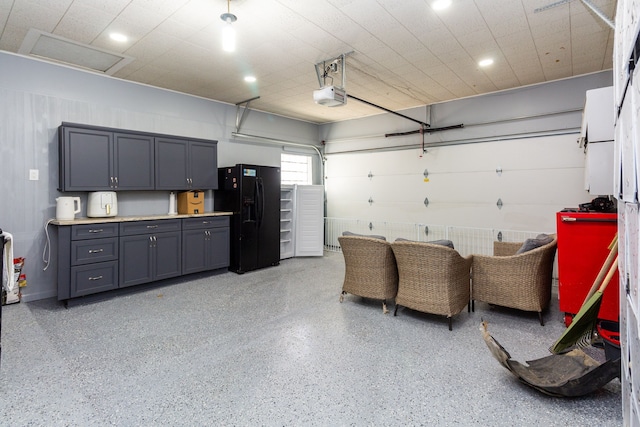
(205, 222)
(92, 278)
(149, 227)
(94, 231)
(94, 250)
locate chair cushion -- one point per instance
(538, 241)
(373, 236)
(442, 242)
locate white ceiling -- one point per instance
(403, 53)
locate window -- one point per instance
(296, 169)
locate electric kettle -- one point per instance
(67, 208)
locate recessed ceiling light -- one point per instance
(485, 62)
(250, 79)
(118, 37)
(440, 4)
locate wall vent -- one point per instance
(59, 49)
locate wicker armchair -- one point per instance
(432, 278)
(370, 268)
(521, 281)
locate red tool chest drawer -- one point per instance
(583, 240)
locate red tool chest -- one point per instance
(583, 241)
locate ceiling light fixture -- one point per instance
(485, 62)
(440, 4)
(250, 79)
(228, 32)
(118, 37)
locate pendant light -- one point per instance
(228, 32)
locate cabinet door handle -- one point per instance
(116, 180)
(98, 230)
(152, 226)
(95, 251)
(111, 179)
(206, 222)
(95, 278)
(572, 219)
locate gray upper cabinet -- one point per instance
(133, 165)
(203, 162)
(86, 160)
(186, 164)
(172, 171)
(94, 159)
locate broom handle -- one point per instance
(613, 253)
(610, 274)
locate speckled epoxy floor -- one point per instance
(273, 347)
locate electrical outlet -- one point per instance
(34, 174)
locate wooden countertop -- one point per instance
(78, 221)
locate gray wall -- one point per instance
(35, 97)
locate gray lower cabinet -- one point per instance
(99, 257)
(93, 278)
(150, 251)
(87, 259)
(205, 244)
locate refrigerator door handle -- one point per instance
(256, 201)
(260, 201)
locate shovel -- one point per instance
(581, 328)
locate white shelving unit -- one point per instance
(309, 220)
(301, 221)
(287, 224)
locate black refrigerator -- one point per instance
(252, 193)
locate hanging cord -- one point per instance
(46, 258)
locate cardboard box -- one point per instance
(191, 202)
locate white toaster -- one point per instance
(102, 204)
